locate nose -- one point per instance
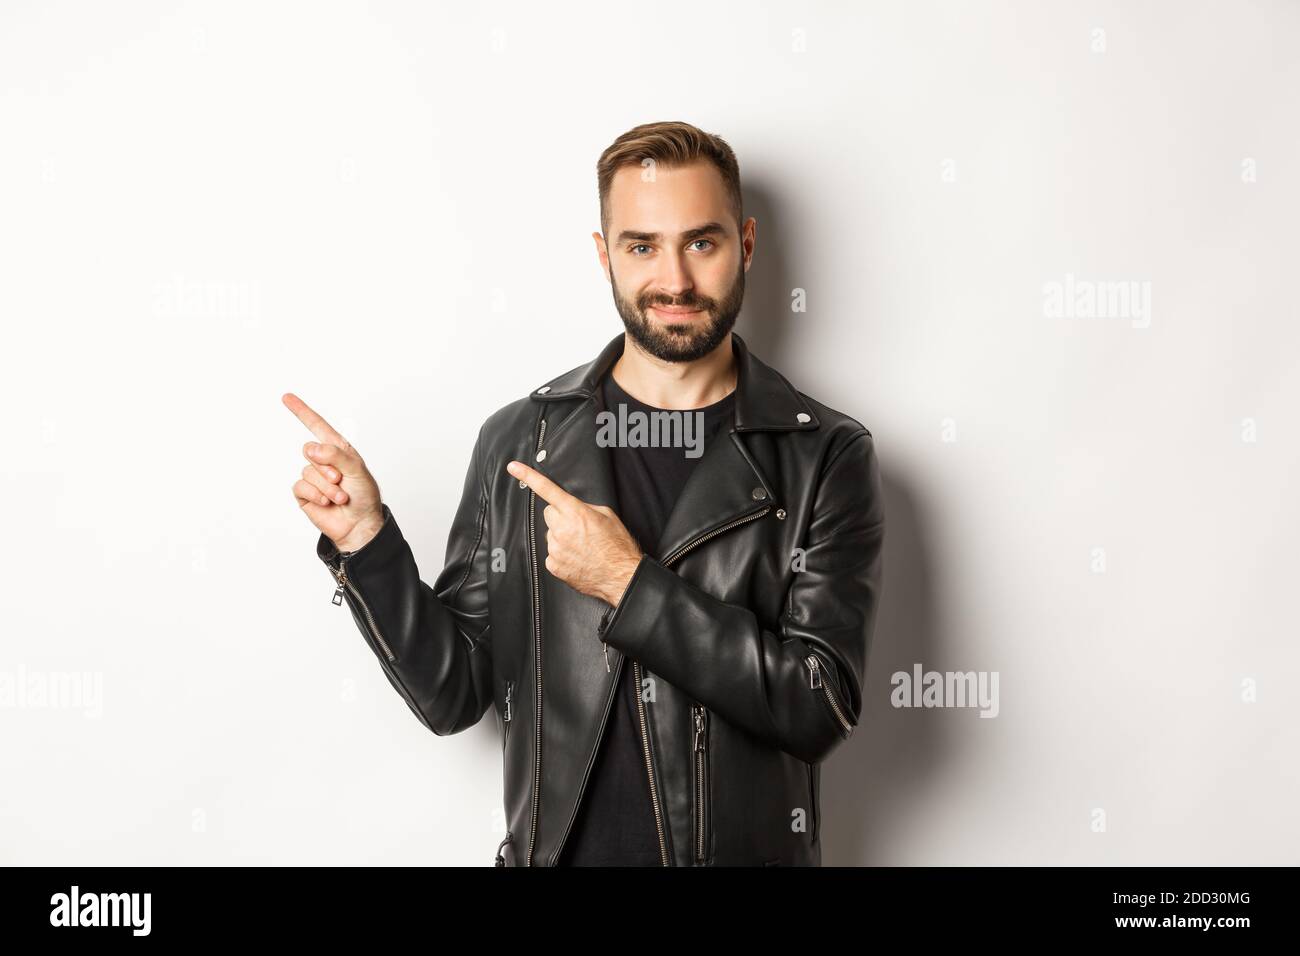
(674, 276)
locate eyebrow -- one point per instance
(708, 229)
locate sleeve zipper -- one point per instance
(815, 681)
(343, 584)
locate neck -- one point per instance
(676, 385)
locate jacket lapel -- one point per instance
(574, 460)
(724, 485)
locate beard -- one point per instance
(681, 341)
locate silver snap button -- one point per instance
(522, 484)
(780, 514)
(541, 455)
(759, 494)
(804, 417)
(543, 390)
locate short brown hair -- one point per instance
(668, 144)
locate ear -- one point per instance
(602, 253)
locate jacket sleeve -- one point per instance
(798, 688)
(433, 642)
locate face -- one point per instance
(676, 259)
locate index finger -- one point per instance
(546, 489)
(315, 424)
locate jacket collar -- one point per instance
(765, 401)
(729, 482)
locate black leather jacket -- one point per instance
(748, 622)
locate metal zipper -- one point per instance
(640, 704)
(341, 577)
(537, 655)
(342, 583)
(649, 769)
(586, 773)
(701, 779)
(510, 696)
(705, 537)
(815, 681)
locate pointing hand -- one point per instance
(587, 546)
(336, 490)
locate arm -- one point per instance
(762, 680)
(432, 641)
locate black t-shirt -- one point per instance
(615, 825)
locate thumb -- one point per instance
(346, 462)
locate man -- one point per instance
(673, 632)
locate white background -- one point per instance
(386, 208)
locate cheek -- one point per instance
(714, 281)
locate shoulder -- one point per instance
(837, 430)
(833, 420)
(848, 469)
(830, 431)
(500, 433)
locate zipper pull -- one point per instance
(600, 629)
(341, 578)
(699, 729)
(510, 692)
(815, 680)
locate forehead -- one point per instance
(666, 198)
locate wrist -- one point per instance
(626, 571)
(362, 534)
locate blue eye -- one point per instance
(641, 245)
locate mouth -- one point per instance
(675, 313)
